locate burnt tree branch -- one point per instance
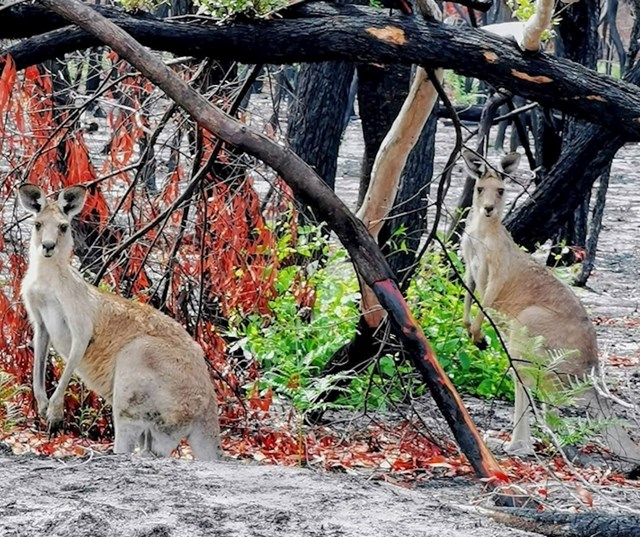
(324, 32)
(556, 524)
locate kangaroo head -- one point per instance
(488, 192)
(51, 234)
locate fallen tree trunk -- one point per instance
(565, 524)
(309, 187)
(323, 33)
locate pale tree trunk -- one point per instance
(391, 160)
(528, 34)
(536, 25)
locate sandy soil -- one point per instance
(111, 495)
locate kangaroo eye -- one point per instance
(63, 228)
(480, 189)
(38, 226)
(500, 191)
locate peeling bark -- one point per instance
(392, 157)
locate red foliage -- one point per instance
(227, 250)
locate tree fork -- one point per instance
(306, 184)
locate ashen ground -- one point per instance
(112, 495)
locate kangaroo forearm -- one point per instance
(477, 321)
(40, 355)
(467, 308)
(487, 302)
(471, 286)
(73, 361)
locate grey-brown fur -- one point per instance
(534, 301)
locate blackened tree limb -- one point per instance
(306, 184)
(565, 524)
(574, 173)
(324, 33)
(27, 20)
(594, 230)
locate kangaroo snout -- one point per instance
(489, 209)
(47, 248)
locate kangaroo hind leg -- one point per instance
(204, 438)
(127, 435)
(160, 443)
(521, 443)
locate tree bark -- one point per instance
(381, 92)
(324, 33)
(316, 115)
(567, 524)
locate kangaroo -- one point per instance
(141, 361)
(529, 296)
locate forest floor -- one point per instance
(110, 495)
(106, 495)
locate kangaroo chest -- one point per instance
(49, 308)
(476, 246)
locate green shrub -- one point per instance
(454, 84)
(292, 347)
(10, 413)
(226, 8)
(437, 302)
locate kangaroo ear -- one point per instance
(509, 163)
(473, 163)
(32, 198)
(71, 200)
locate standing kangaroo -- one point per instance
(529, 296)
(141, 361)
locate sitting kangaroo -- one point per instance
(141, 361)
(510, 282)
